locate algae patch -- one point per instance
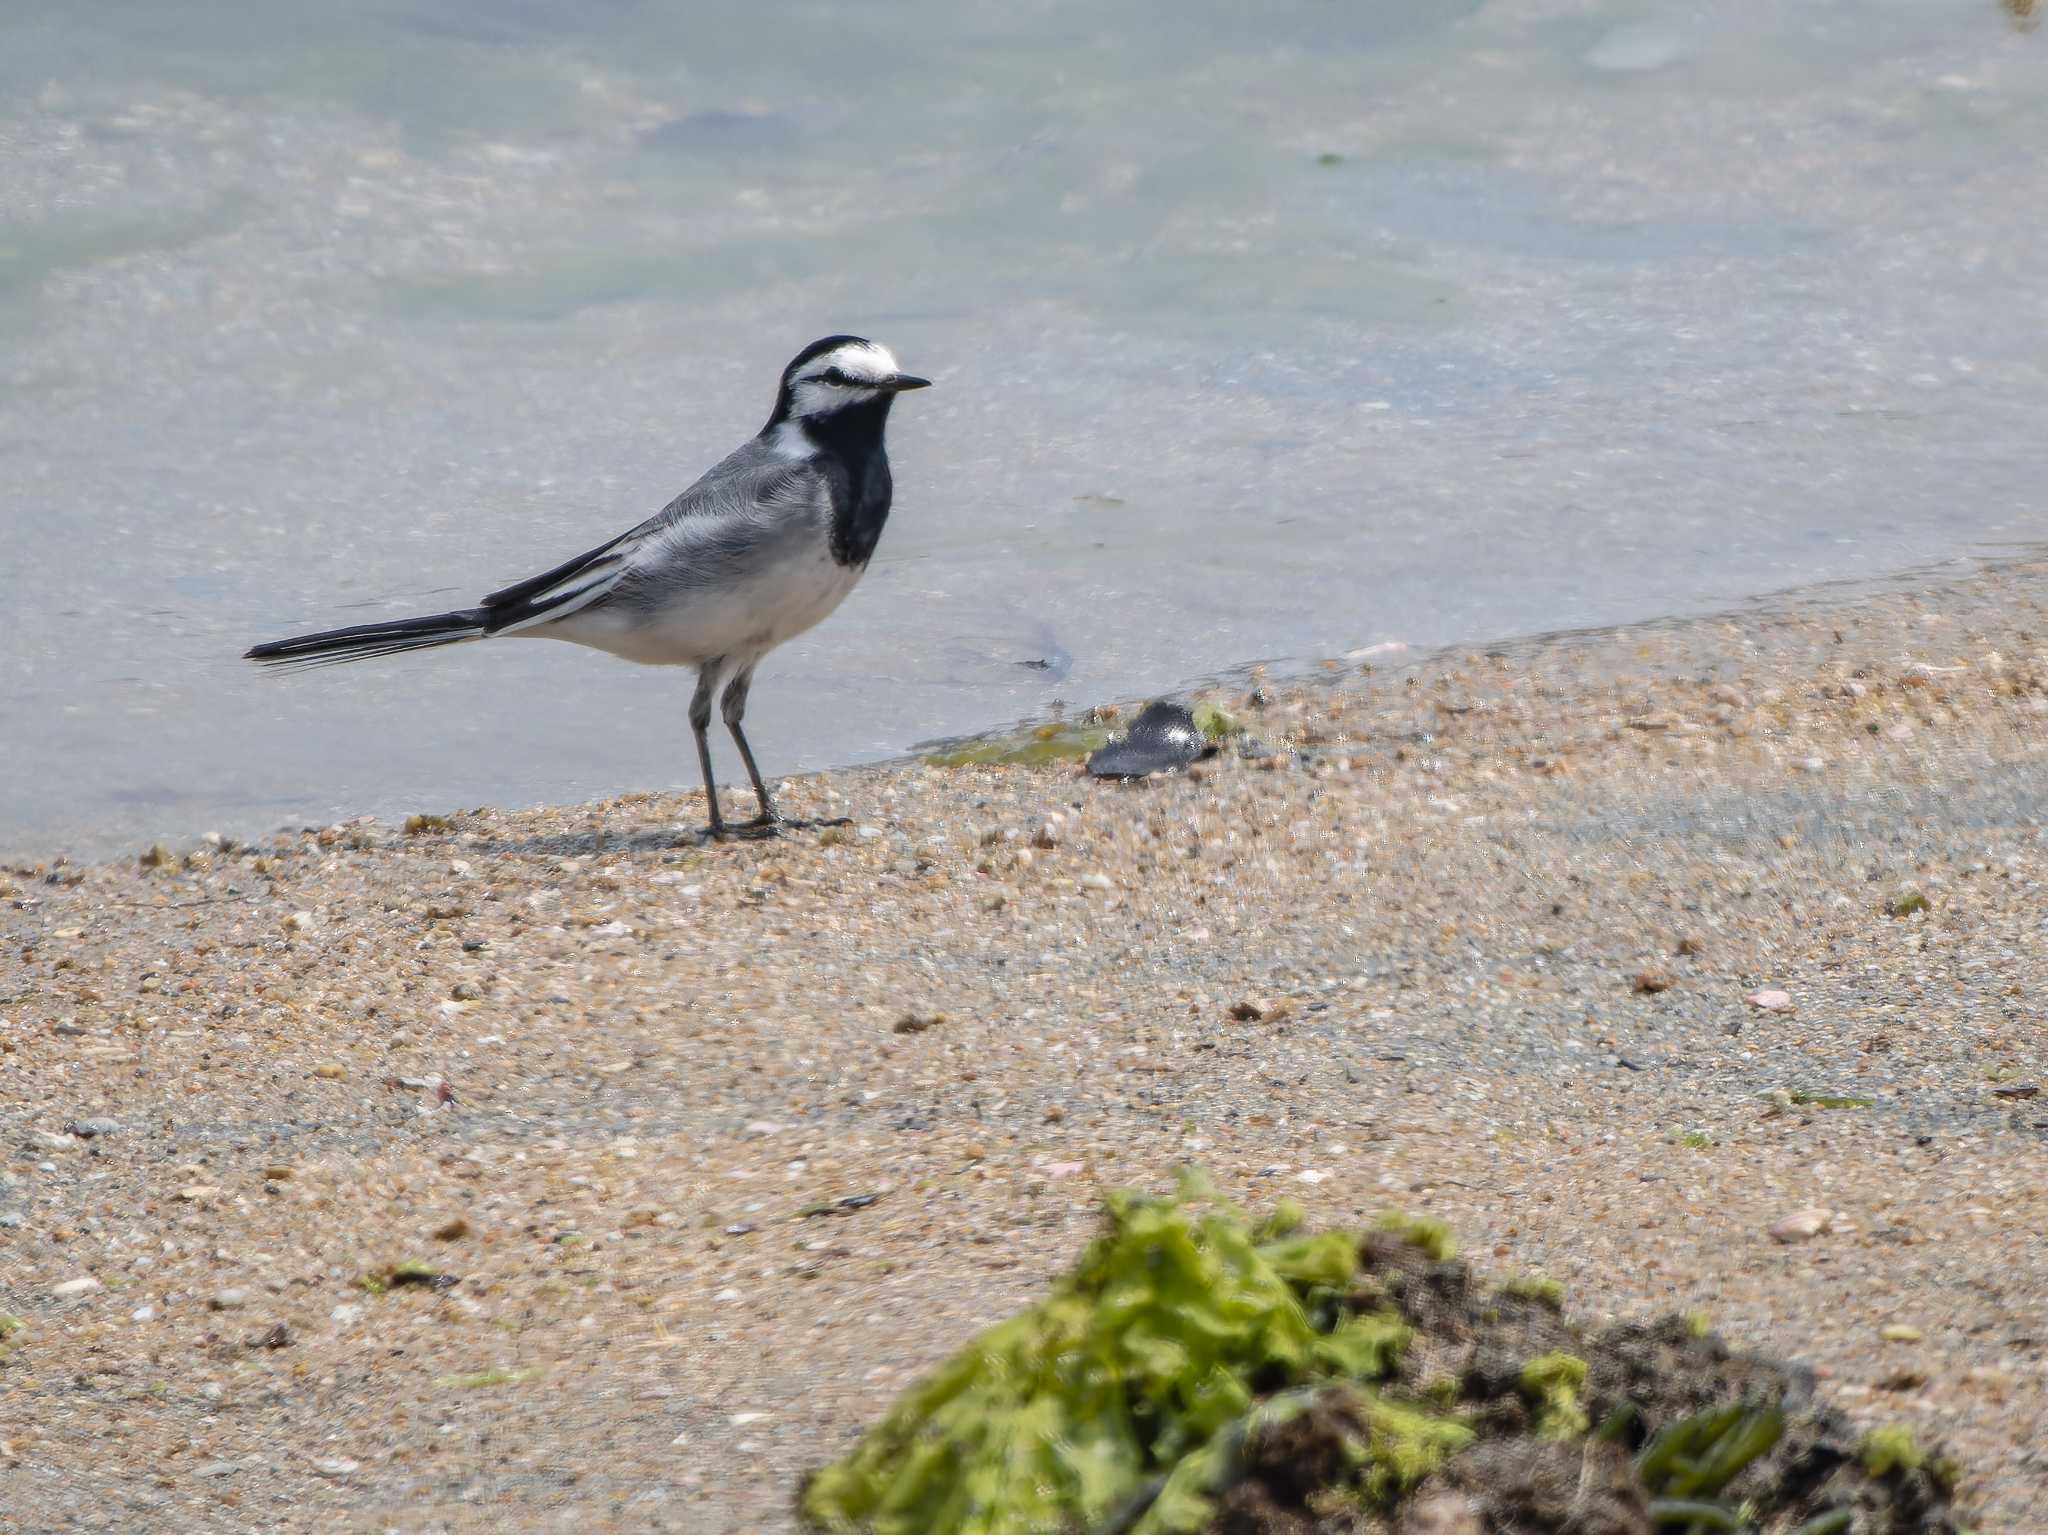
(483, 1379)
(1554, 1383)
(1540, 1288)
(1830, 1100)
(1891, 1448)
(1037, 747)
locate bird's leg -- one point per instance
(700, 726)
(734, 707)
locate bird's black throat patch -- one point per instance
(851, 439)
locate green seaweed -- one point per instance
(1145, 1358)
(1432, 1236)
(483, 1378)
(1696, 1457)
(1554, 1382)
(1540, 1288)
(1214, 722)
(1037, 747)
(1891, 1448)
(1829, 1100)
(1399, 1447)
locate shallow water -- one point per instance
(1259, 331)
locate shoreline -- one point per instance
(1472, 933)
(1388, 656)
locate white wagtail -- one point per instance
(757, 551)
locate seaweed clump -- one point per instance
(1182, 1336)
(1196, 1373)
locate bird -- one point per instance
(763, 547)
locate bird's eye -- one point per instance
(834, 376)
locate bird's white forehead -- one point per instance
(861, 360)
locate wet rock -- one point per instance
(1163, 739)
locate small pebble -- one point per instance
(1802, 1225)
(1443, 1513)
(228, 1300)
(71, 1288)
(1770, 1001)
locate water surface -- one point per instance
(1259, 331)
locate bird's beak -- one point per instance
(897, 383)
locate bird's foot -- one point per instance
(767, 825)
(743, 831)
(770, 822)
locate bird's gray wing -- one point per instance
(752, 498)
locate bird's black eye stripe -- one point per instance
(834, 376)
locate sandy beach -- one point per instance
(550, 1169)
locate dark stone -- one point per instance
(1163, 739)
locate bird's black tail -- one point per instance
(335, 646)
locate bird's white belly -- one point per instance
(740, 620)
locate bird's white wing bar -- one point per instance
(574, 592)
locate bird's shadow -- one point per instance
(598, 842)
